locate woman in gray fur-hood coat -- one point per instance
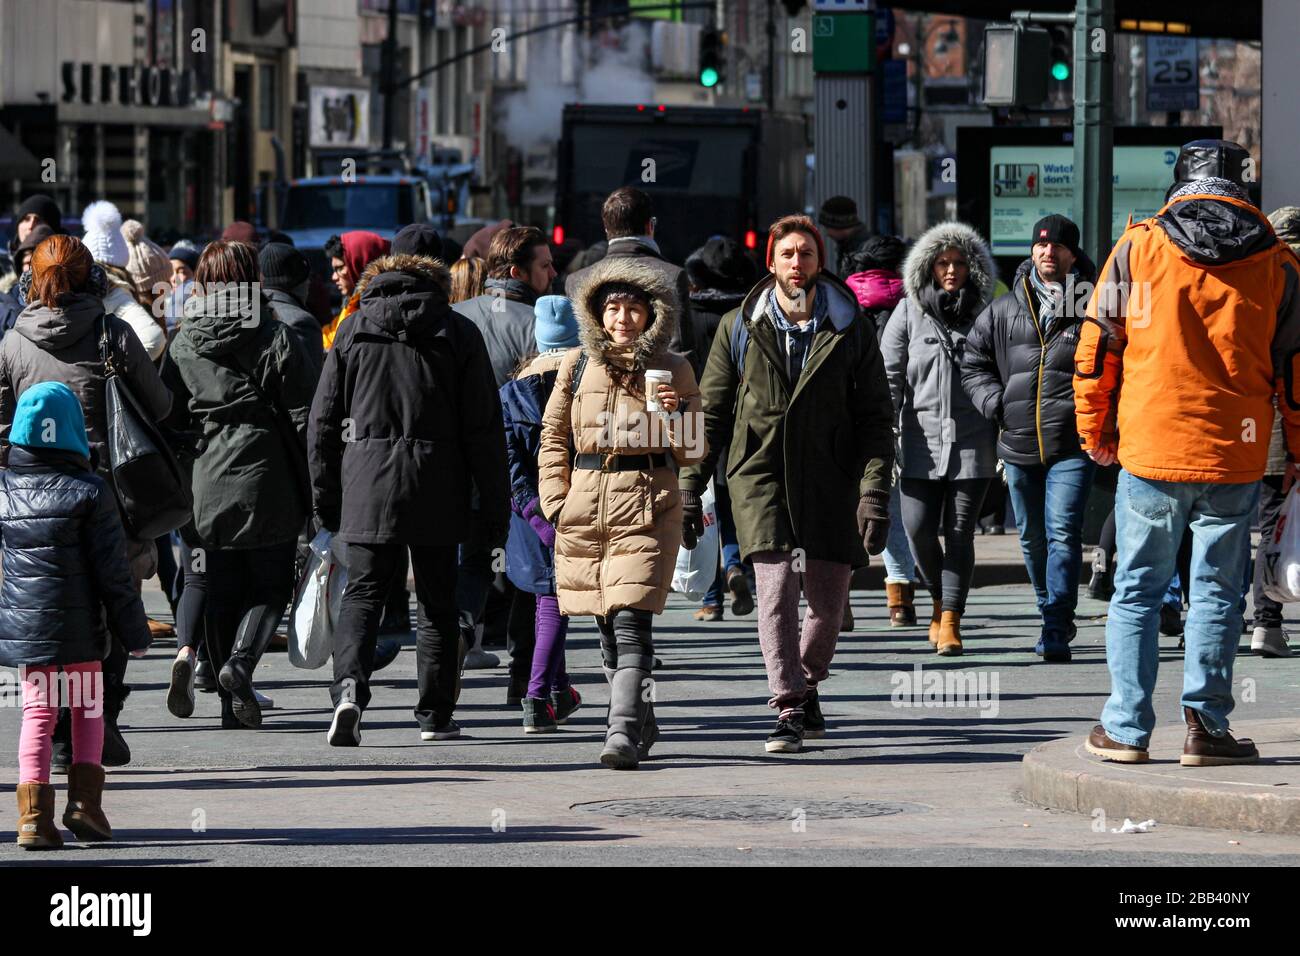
(941, 433)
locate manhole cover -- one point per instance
(752, 809)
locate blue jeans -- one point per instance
(730, 547)
(900, 566)
(1150, 517)
(1049, 501)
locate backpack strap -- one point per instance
(739, 345)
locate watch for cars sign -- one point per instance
(1173, 77)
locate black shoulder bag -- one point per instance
(152, 492)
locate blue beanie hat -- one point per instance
(556, 326)
(49, 416)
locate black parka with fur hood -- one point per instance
(407, 420)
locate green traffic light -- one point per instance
(708, 76)
(1060, 70)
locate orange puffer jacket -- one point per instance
(1194, 324)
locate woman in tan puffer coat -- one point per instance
(608, 480)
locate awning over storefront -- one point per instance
(16, 160)
(133, 115)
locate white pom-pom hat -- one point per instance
(103, 224)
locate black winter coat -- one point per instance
(302, 323)
(407, 419)
(1023, 379)
(248, 386)
(702, 316)
(65, 564)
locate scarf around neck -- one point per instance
(514, 290)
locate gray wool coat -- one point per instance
(941, 434)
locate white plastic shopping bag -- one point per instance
(316, 606)
(696, 569)
(1281, 552)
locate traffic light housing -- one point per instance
(1017, 64)
(1062, 54)
(711, 59)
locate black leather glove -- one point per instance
(692, 520)
(873, 520)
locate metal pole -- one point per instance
(390, 75)
(1094, 37)
(771, 56)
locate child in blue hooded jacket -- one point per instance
(530, 548)
(67, 586)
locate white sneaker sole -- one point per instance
(434, 735)
(345, 728)
(783, 747)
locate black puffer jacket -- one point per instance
(1022, 379)
(407, 417)
(65, 565)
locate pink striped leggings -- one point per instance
(80, 688)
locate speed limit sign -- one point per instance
(1173, 77)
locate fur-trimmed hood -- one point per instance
(421, 267)
(401, 295)
(918, 267)
(658, 334)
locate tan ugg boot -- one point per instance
(935, 620)
(899, 598)
(85, 813)
(950, 634)
(36, 829)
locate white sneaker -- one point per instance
(263, 701)
(478, 660)
(345, 728)
(1269, 642)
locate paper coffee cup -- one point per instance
(654, 377)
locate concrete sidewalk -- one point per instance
(908, 774)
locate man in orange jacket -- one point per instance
(1194, 324)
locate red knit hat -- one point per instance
(788, 224)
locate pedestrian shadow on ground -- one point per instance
(361, 836)
(68, 858)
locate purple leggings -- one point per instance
(548, 672)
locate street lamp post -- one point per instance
(1094, 36)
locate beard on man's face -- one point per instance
(792, 291)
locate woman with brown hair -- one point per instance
(467, 279)
(248, 382)
(56, 339)
(623, 415)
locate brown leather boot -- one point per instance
(901, 611)
(1203, 749)
(950, 634)
(935, 619)
(1100, 744)
(36, 829)
(85, 815)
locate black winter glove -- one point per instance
(873, 520)
(692, 520)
